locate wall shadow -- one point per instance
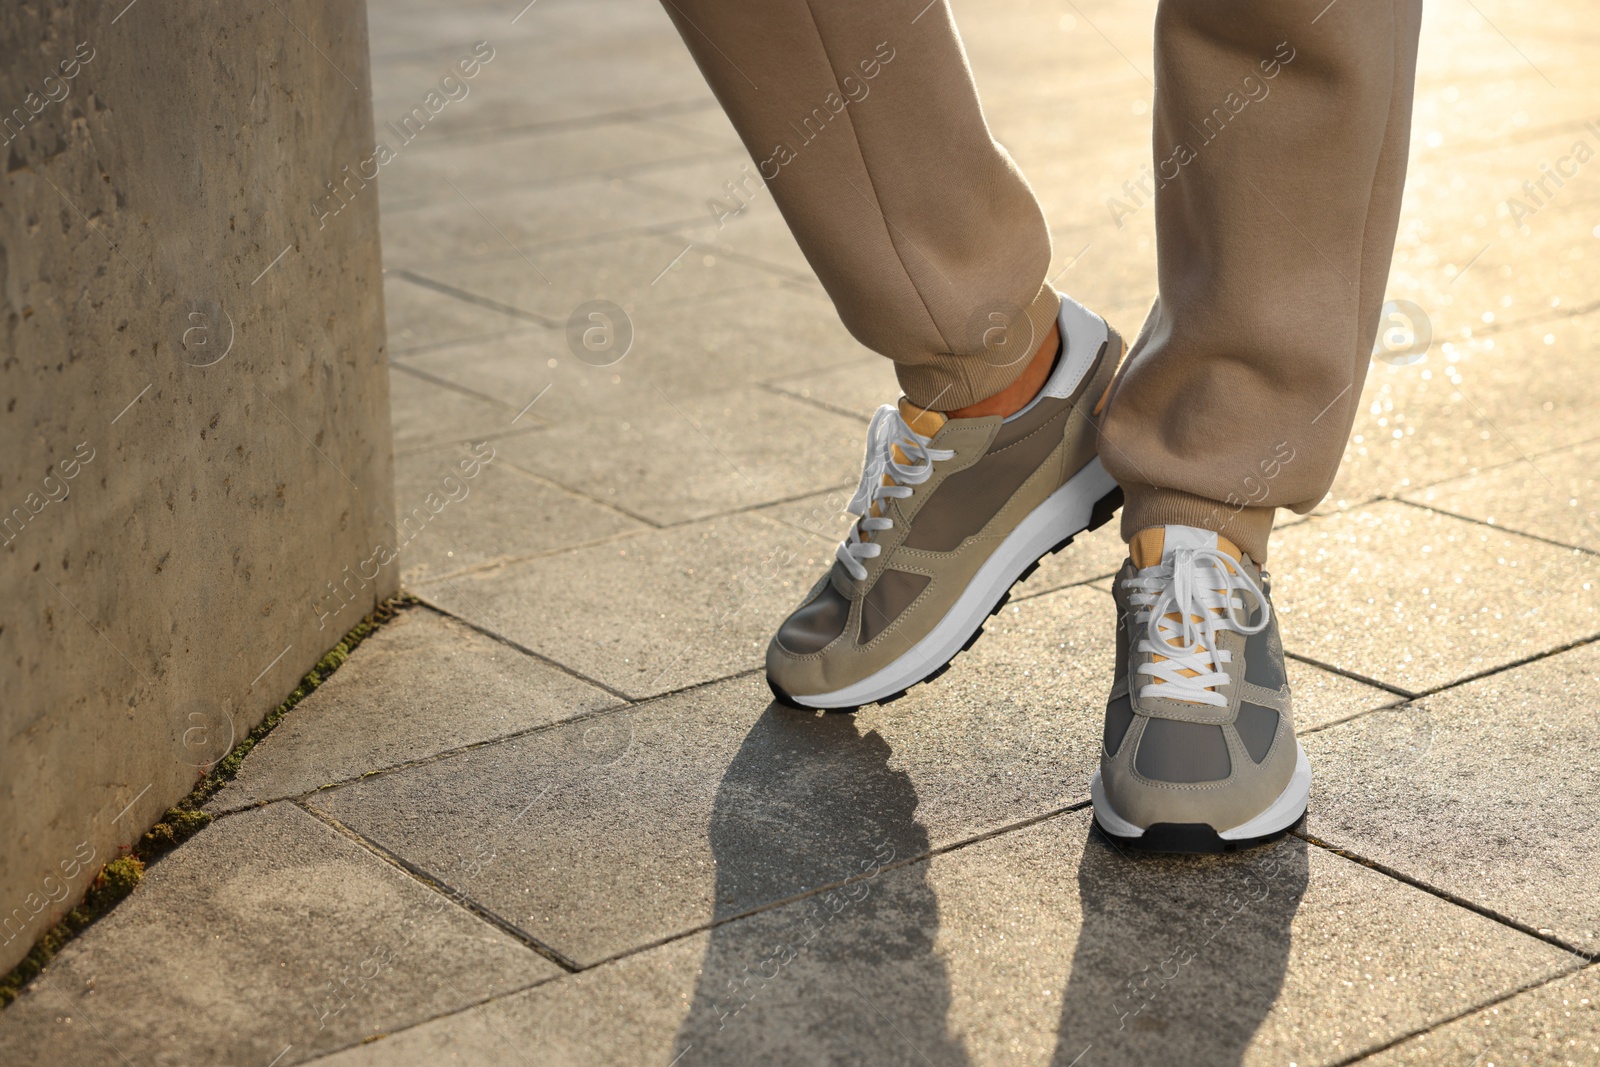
(1179, 959)
(847, 976)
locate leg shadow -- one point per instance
(846, 975)
(1179, 959)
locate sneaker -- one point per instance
(950, 514)
(1199, 748)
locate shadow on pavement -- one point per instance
(845, 976)
(1179, 958)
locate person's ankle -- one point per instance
(1020, 393)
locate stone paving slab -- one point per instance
(1441, 436)
(1465, 408)
(1549, 496)
(669, 461)
(420, 318)
(965, 758)
(1487, 792)
(821, 514)
(681, 349)
(268, 935)
(423, 684)
(436, 414)
(857, 388)
(519, 367)
(1417, 599)
(616, 855)
(501, 514)
(650, 613)
(1027, 949)
(520, 161)
(1471, 266)
(1473, 405)
(708, 346)
(747, 218)
(1557, 1023)
(633, 269)
(439, 236)
(573, 61)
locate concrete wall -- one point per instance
(194, 431)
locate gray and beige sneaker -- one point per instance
(1199, 748)
(950, 513)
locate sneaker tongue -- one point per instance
(925, 422)
(1155, 543)
(922, 421)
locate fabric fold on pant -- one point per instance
(866, 128)
(1280, 138)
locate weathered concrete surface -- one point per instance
(1027, 949)
(268, 935)
(1554, 1023)
(1418, 599)
(600, 828)
(704, 612)
(194, 414)
(424, 684)
(1487, 791)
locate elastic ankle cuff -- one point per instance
(945, 381)
(1144, 506)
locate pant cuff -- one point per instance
(1144, 506)
(946, 380)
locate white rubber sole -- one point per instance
(1065, 513)
(1281, 814)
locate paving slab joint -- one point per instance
(1497, 527)
(1446, 895)
(446, 890)
(1493, 1002)
(1504, 667)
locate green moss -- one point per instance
(115, 881)
(185, 819)
(175, 827)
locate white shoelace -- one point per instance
(887, 429)
(1192, 584)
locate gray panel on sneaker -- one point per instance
(1263, 658)
(1119, 716)
(1171, 750)
(818, 622)
(1257, 727)
(964, 501)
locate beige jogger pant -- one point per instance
(1279, 153)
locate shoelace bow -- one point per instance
(887, 429)
(1185, 602)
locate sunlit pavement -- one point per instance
(549, 816)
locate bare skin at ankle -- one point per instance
(1016, 396)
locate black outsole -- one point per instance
(1102, 512)
(1191, 838)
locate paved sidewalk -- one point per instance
(550, 816)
